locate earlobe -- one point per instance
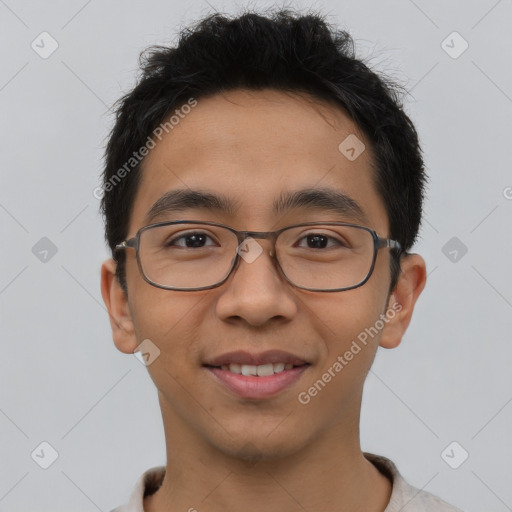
(402, 300)
(116, 301)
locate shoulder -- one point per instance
(148, 483)
(405, 497)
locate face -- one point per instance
(253, 147)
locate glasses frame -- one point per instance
(378, 243)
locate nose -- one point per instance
(256, 292)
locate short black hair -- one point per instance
(281, 50)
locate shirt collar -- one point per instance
(151, 480)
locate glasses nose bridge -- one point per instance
(267, 235)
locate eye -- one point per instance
(320, 241)
(194, 239)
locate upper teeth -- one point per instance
(261, 370)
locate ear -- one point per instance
(402, 300)
(115, 299)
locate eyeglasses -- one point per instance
(190, 255)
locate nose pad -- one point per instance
(255, 251)
(251, 248)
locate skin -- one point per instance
(224, 452)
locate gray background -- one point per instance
(62, 380)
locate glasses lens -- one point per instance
(187, 255)
(321, 257)
(326, 257)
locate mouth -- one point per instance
(262, 370)
(257, 376)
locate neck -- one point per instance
(330, 473)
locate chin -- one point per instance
(259, 448)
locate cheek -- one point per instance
(349, 325)
(340, 317)
(343, 323)
(166, 316)
(173, 321)
(155, 312)
(170, 321)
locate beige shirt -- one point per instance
(404, 497)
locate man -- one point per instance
(263, 188)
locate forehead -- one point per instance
(254, 148)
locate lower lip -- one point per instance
(258, 387)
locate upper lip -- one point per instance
(256, 359)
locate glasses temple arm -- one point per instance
(391, 244)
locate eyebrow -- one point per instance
(313, 199)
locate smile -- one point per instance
(263, 370)
(257, 382)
